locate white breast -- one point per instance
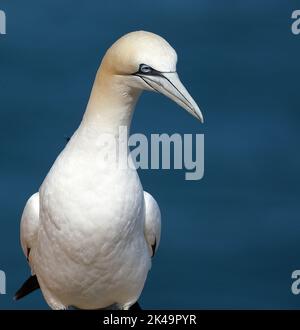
(92, 225)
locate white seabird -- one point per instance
(90, 232)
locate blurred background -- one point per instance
(230, 240)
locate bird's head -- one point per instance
(146, 61)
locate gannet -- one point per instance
(90, 231)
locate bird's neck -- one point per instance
(110, 106)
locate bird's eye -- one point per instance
(145, 68)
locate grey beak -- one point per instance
(169, 84)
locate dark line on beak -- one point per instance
(178, 91)
(189, 104)
(148, 83)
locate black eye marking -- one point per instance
(145, 69)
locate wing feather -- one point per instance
(30, 224)
(152, 223)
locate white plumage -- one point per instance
(91, 230)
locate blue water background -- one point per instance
(230, 240)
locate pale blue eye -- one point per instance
(145, 68)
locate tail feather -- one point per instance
(29, 286)
(32, 284)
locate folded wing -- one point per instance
(152, 223)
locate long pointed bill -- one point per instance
(170, 85)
